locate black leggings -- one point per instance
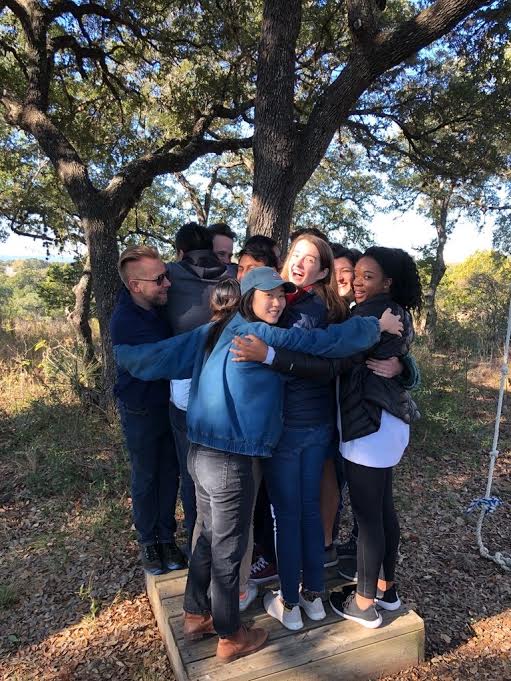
(378, 535)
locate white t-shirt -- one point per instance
(180, 393)
(382, 449)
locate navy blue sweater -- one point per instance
(307, 402)
(132, 325)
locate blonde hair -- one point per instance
(133, 254)
(326, 288)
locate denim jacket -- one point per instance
(237, 406)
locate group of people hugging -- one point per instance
(288, 381)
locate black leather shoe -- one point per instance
(151, 560)
(172, 557)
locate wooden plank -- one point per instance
(171, 588)
(203, 649)
(207, 648)
(369, 662)
(162, 619)
(305, 647)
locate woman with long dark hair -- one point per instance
(375, 414)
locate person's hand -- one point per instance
(391, 323)
(248, 349)
(387, 368)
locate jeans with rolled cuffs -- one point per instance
(154, 471)
(224, 488)
(186, 487)
(293, 476)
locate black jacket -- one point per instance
(192, 280)
(363, 394)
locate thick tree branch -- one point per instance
(388, 49)
(70, 168)
(177, 155)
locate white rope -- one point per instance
(489, 504)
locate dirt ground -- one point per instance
(72, 602)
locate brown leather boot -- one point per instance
(243, 642)
(196, 627)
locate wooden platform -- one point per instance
(330, 649)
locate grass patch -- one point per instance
(111, 518)
(8, 596)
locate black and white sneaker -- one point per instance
(348, 608)
(348, 549)
(388, 600)
(347, 568)
(330, 558)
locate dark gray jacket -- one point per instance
(192, 280)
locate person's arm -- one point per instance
(410, 378)
(337, 340)
(171, 358)
(289, 362)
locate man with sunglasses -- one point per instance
(143, 406)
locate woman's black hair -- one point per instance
(226, 300)
(224, 303)
(399, 266)
(245, 309)
(352, 254)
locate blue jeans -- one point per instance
(187, 487)
(225, 495)
(293, 476)
(154, 472)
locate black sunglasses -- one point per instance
(158, 281)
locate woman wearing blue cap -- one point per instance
(234, 414)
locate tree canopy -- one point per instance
(100, 100)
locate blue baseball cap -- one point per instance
(264, 279)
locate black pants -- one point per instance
(224, 487)
(264, 533)
(378, 539)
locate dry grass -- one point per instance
(72, 604)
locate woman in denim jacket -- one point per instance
(235, 412)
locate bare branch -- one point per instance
(194, 198)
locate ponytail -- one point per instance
(224, 303)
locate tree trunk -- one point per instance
(101, 237)
(437, 272)
(79, 317)
(275, 132)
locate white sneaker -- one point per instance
(248, 597)
(313, 609)
(291, 618)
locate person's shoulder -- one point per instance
(123, 307)
(176, 269)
